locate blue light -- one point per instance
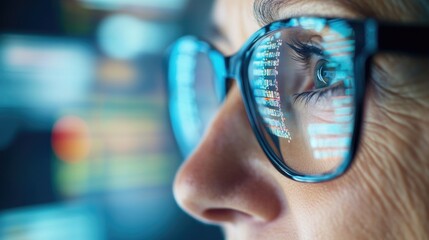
(116, 4)
(53, 222)
(316, 24)
(126, 37)
(44, 72)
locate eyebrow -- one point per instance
(266, 11)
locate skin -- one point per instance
(228, 181)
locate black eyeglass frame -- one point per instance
(371, 37)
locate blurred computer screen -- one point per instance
(86, 150)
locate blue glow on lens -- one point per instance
(343, 111)
(186, 122)
(329, 129)
(329, 154)
(342, 28)
(339, 102)
(316, 24)
(332, 142)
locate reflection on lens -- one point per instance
(193, 98)
(265, 84)
(302, 84)
(205, 94)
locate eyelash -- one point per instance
(304, 52)
(306, 97)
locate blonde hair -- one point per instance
(394, 10)
(389, 10)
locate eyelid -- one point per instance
(310, 42)
(308, 96)
(304, 48)
(305, 52)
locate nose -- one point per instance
(228, 178)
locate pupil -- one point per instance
(324, 74)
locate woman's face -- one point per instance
(229, 181)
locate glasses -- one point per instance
(303, 84)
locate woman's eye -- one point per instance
(316, 71)
(324, 74)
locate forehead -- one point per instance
(238, 19)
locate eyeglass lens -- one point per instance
(300, 80)
(302, 85)
(193, 96)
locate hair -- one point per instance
(394, 10)
(391, 10)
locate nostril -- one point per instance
(227, 215)
(219, 215)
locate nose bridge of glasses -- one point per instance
(227, 69)
(232, 64)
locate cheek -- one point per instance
(335, 212)
(369, 201)
(352, 205)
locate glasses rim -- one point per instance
(371, 36)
